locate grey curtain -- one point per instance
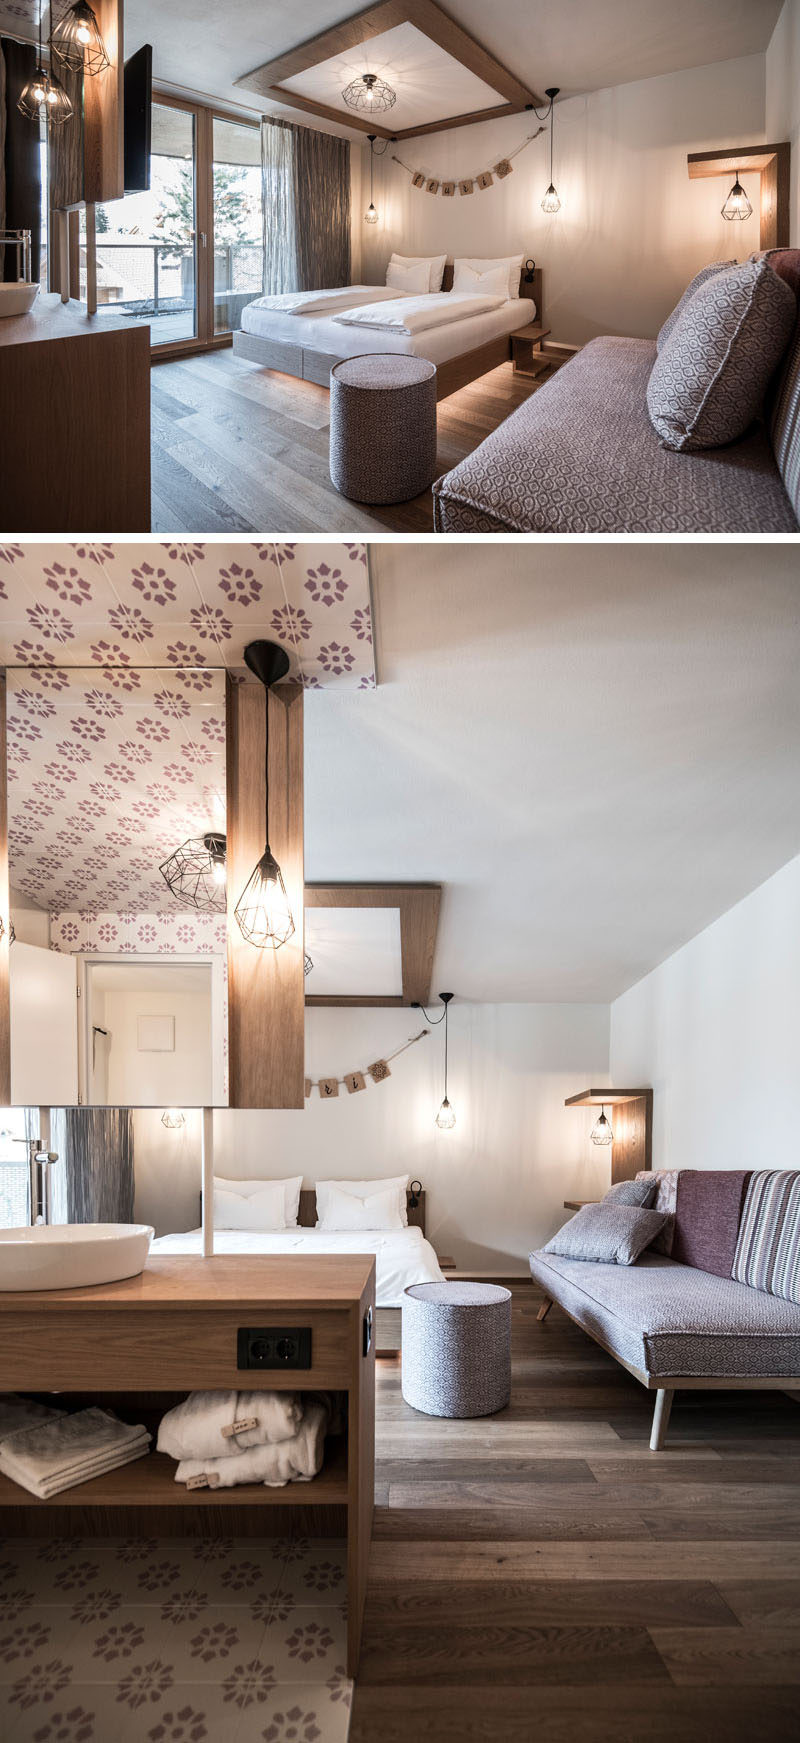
(97, 1147)
(20, 172)
(306, 194)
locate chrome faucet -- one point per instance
(40, 1163)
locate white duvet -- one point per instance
(324, 302)
(401, 1258)
(417, 314)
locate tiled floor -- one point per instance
(173, 1641)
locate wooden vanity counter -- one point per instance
(173, 1330)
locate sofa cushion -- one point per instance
(609, 1233)
(768, 1249)
(665, 1200)
(707, 1214)
(700, 277)
(710, 378)
(639, 1191)
(784, 418)
(665, 1319)
(581, 456)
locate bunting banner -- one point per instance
(354, 1081)
(430, 185)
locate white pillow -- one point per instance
(262, 1209)
(412, 279)
(346, 1210)
(511, 262)
(434, 262)
(246, 1189)
(364, 1189)
(494, 282)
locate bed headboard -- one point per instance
(528, 287)
(307, 1212)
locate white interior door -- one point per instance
(44, 1027)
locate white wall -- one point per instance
(715, 1030)
(496, 1183)
(176, 1079)
(783, 98)
(632, 228)
(167, 1171)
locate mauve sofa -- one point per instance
(581, 456)
(717, 1306)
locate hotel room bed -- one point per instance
(402, 1257)
(326, 334)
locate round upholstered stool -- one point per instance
(383, 427)
(457, 1348)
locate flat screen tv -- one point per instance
(137, 113)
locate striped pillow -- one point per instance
(768, 1249)
(784, 426)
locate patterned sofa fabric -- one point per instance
(784, 419)
(665, 1199)
(711, 376)
(669, 1320)
(768, 1248)
(581, 456)
(694, 284)
(708, 1210)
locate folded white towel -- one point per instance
(211, 1425)
(70, 1449)
(295, 1460)
(23, 1413)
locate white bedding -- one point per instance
(401, 1258)
(335, 339)
(419, 314)
(324, 301)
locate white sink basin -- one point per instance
(73, 1255)
(17, 298)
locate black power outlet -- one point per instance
(273, 1347)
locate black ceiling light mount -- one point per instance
(263, 912)
(76, 41)
(195, 872)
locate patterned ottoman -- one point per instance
(383, 427)
(457, 1348)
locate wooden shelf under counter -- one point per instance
(174, 1330)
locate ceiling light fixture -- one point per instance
(77, 43)
(370, 93)
(551, 202)
(737, 206)
(44, 93)
(371, 216)
(445, 1119)
(195, 872)
(601, 1132)
(174, 1119)
(263, 913)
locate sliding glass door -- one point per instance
(147, 242)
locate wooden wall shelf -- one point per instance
(773, 164)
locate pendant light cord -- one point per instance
(551, 142)
(446, 1008)
(266, 767)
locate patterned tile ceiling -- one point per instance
(116, 659)
(188, 605)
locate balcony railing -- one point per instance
(158, 278)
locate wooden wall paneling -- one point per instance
(773, 164)
(419, 917)
(5, 915)
(65, 151)
(265, 988)
(632, 1125)
(104, 166)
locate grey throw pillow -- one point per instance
(639, 1192)
(699, 278)
(609, 1234)
(709, 379)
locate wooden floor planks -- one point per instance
(237, 448)
(542, 1575)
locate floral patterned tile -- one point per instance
(315, 1573)
(306, 1643)
(204, 1647)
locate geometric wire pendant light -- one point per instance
(262, 911)
(370, 93)
(195, 872)
(601, 1132)
(551, 202)
(77, 43)
(445, 1119)
(371, 216)
(44, 93)
(737, 206)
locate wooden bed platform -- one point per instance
(457, 372)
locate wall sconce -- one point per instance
(195, 872)
(77, 43)
(601, 1132)
(174, 1119)
(262, 911)
(551, 202)
(737, 207)
(445, 1119)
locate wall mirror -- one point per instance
(116, 847)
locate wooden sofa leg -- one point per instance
(545, 1308)
(661, 1413)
